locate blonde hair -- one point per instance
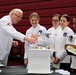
(34, 14)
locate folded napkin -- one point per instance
(63, 72)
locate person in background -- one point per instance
(73, 58)
(56, 41)
(67, 33)
(54, 29)
(37, 31)
(8, 33)
(59, 38)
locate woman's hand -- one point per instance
(26, 61)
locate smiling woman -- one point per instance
(71, 49)
(37, 31)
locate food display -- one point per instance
(41, 47)
(38, 47)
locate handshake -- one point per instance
(32, 39)
(35, 36)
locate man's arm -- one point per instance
(11, 31)
(30, 39)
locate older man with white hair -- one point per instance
(8, 33)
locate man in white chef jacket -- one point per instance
(8, 32)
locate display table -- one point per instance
(18, 70)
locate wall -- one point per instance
(45, 8)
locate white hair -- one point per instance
(14, 10)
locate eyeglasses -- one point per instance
(18, 16)
(55, 20)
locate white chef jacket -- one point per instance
(58, 41)
(52, 32)
(73, 63)
(7, 33)
(41, 41)
(66, 40)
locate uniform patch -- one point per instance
(40, 31)
(9, 24)
(47, 35)
(65, 34)
(70, 38)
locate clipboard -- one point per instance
(71, 50)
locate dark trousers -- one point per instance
(65, 66)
